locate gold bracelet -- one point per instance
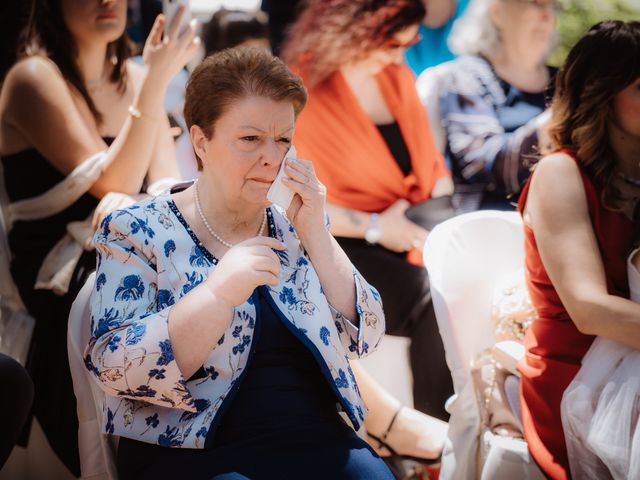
(136, 113)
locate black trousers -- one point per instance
(405, 293)
(15, 403)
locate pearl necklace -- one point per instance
(196, 197)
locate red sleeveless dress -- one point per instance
(554, 346)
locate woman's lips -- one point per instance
(108, 16)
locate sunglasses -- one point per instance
(393, 43)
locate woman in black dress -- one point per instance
(78, 115)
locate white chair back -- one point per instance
(464, 257)
(97, 452)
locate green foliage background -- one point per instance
(578, 15)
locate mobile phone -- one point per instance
(279, 194)
(170, 8)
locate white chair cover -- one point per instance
(464, 257)
(601, 407)
(97, 451)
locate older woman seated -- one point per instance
(494, 96)
(221, 327)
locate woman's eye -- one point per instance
(285, 140)
(250, 138)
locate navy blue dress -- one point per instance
(281, 424)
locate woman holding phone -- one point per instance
(75, 112)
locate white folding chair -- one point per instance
(97, 450)
(464, 257)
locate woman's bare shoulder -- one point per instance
(33, 83)
(556, 172)
(35, 71)
(557, 188)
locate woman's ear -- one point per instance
(199, 141)
(496, 15)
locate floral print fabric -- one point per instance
(491, 130)
(148, 258)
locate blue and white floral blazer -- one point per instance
(148, 258)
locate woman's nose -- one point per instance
(272, 154)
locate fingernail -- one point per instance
(193, 23)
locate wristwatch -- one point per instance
(373, 233)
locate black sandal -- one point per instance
(382, 441)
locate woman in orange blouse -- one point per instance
(369, 138)
(578, 208)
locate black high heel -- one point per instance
(382, 441)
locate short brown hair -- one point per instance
(233, 74)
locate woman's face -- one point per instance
(626, 108)
(392, 51)
(526, 25)
(95, 20)
(249, 142)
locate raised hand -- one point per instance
(167, 50)
(244, 267)
(306, 211)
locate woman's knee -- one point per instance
(15, 379)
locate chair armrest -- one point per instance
(509, 353)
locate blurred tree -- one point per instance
(577, 16)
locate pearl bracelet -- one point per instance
(136, 113)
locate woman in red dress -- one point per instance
(578, 209)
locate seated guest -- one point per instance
(233, 28)
(578, 208)
(73, 93)
(492, 98)
(433, 47)
(368, 136)
(15, 403)
(221, 327)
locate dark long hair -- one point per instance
(603, 62)
(47, 34)
(13, 18)
(331, 33)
